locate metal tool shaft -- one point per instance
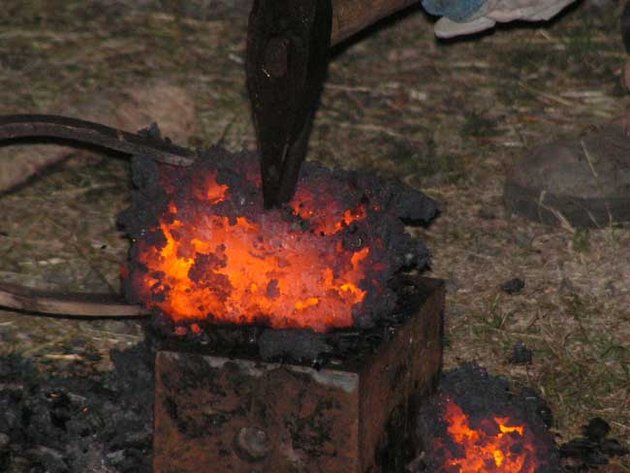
(288, 45)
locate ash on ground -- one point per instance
(54, 424)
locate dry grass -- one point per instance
(447, 118)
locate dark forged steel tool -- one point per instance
(287, 58)
(84, 134)
(288, 44)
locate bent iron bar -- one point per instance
(82, 133)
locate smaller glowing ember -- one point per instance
(477, 423)
(495, 445)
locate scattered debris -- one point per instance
(521, 355)
(513, 286)
(56, 424)
(593, 449)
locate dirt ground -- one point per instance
(445, 117)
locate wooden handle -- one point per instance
(351, 16)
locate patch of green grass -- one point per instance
(423, 161)
(580, 242)
(583, 362)
(580, 40)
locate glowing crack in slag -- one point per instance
(209, 251)
(495, 445)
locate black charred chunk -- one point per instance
(594, 448)
(481, 396)
(75, 424)
(513, 286)
(597, 429)
(521, 355)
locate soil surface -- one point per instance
(444, 117)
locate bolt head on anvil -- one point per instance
(216, 414)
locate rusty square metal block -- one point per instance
(214, 413)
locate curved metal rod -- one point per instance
(77, 132)
(67, 304)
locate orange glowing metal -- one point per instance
(239, 271)
(204, 249)
(322, 219)
(493, 447)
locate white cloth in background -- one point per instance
(500, 11)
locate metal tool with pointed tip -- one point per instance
(288, 43)
(287, 57)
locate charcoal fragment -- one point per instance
(537, 405)
(145, 173)
(272, 289)
(596, 429)
(521, 355)
(614, 448)
(152, 131)
(513, 286)
(594, 448)
(73, 424)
